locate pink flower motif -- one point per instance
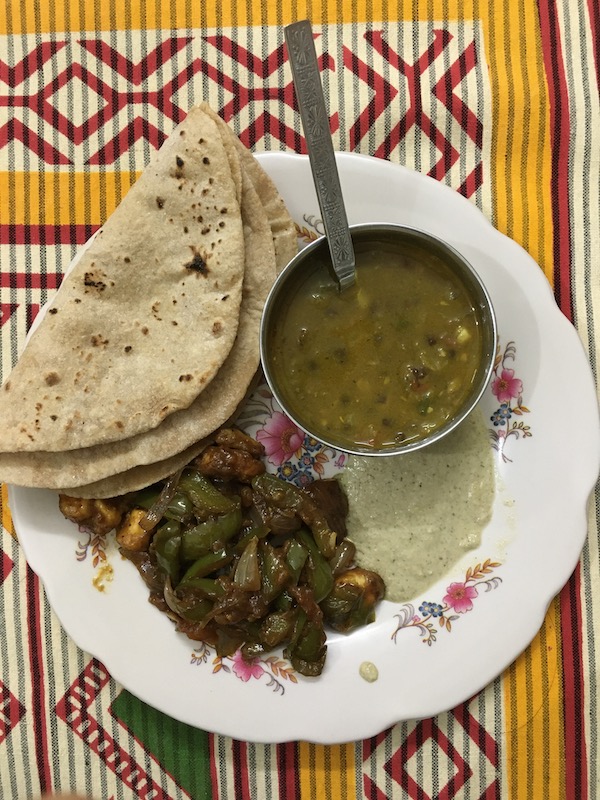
(460, 597)
(506, 386)
(280, 437)
(246, 669)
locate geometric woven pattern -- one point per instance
(124, 91)
(6, 564)
(394, 760)
(11, 712)
(76, 710)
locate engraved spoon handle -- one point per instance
(315, 122)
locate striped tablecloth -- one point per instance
(500, 101)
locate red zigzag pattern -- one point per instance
(138, 84)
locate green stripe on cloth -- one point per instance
(181, 749)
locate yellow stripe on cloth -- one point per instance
(327, 772)
(54, 198)
(521, 129)
(534, 757)
(80, 15)
(7, 522)
(520, 125)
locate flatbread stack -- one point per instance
(152, 341)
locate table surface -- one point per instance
(87, 92)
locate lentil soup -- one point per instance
(384, 363)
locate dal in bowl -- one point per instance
(391, 364)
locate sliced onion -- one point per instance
(157, 510)
(171, 599)
(247, 572)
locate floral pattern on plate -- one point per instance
(458, 600)
(508, 390)
(307, 235)
(290, 453)
(97, 546)
(273, 669)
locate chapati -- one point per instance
(283, 229)
(118, 467)
(144, 321)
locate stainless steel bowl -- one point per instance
(314, 256)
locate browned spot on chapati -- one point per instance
(94, 281)
(178, 171)
(198, 263)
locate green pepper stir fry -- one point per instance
(242, 560)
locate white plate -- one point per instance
(544, 477)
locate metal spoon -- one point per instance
(315, 121)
